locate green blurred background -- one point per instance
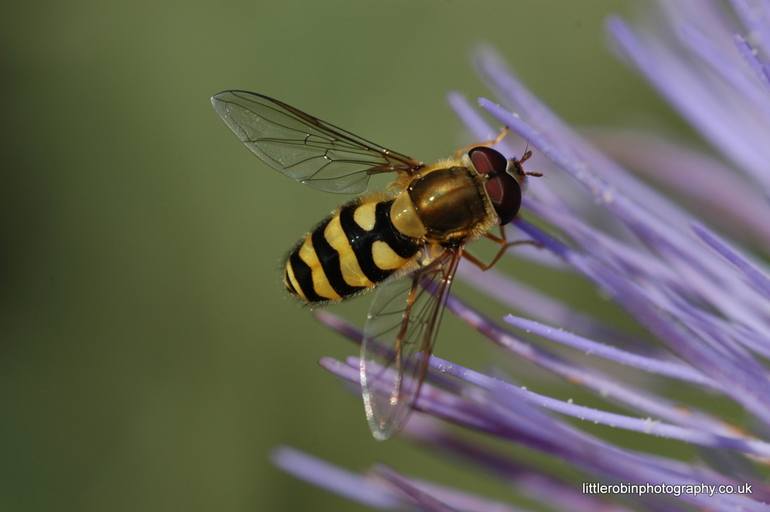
(150, 359)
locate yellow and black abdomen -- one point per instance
(350, 251)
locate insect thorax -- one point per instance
(451, 204)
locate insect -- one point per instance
(405, 242)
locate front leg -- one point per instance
(504, 246)
(488, 143)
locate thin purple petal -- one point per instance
(339, 481)
(648, 364)
(758, 278)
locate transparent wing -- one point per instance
(306, 148)
(398, 340)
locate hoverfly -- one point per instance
(406, 241)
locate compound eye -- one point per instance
(503, 190)
(505, 193)
(487, 160)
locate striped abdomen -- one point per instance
(352, 250)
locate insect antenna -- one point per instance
(518, 163)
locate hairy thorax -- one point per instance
(446, 205)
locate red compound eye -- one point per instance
(502, 188)
(487, 160)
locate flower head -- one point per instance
(703, 297)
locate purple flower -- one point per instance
(703, 297)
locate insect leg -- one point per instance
(405, 317)
(504, 246)
(488, 143)
(502, 239)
